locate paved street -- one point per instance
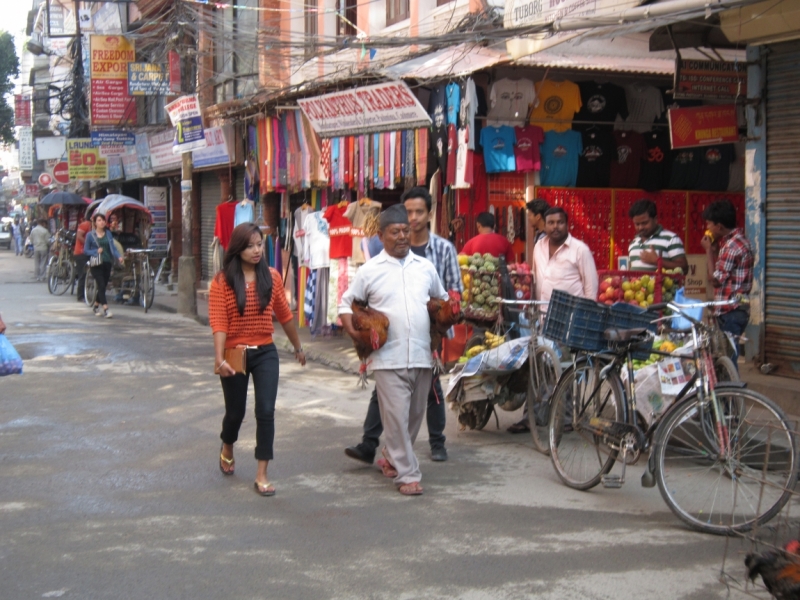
(109, 487)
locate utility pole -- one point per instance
(187, 283)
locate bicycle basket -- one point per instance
(576, 322)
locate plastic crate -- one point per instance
(576, 322)
(627, 316)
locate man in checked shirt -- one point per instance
(729, 261)
(443, 255)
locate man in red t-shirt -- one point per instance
(487, 241)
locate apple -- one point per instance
(626, 285)
(636, 285)
(616, 281)
(639, 296)
(650, 298)
(604, 285)
(629, 294)
(620, 294)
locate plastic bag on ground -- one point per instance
(10, 360)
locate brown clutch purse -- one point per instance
(236, 359)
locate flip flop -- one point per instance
(410, 489)
(264, 489)
(386, 468)
(228, 461)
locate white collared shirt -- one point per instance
(571, 269)
(401, 292)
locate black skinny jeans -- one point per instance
(263, 365)
(81, 260)
(102, 275)
(435, 416)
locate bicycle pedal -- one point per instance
(612, 481)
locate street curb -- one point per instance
(172, 310)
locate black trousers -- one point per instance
(102, 275)
(263, 365)
(435, 416)
(81, 261)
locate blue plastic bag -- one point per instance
(679, 322)
(10, 360)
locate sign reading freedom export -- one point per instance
(109, 58)
(710, 79)
(369, 109)
(703, 126)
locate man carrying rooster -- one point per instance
(442, 254)
(398, 284)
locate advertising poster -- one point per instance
(161, 156)
(703, 126)
(188, 123)
(146, 79)
(26, 149)
(108, 60)
(155, 199)
(85, 162)
(22, 110)
(217, 150)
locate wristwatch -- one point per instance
(299, 350)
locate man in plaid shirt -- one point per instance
(729, 260)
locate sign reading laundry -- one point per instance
(370, 109)
(703, 126)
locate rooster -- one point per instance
(373, 328)
(444, 314)
(779, 569)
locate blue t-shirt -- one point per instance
(243, 214)
(560, 153)
(453, 103)
(498, 148)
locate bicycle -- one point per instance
(724, 457)
(61, 266)
(139, 284)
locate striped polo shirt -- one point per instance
(667, 243)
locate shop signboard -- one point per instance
(369, 109)
(174, 71)
(109, 58)
(107, 19)
(130, 164)
(26, 149)
(155, 199)
(22, 110)
(186, 118)
(148, 79)
(161, 156)
(710, 79)
(85, 162)
(113, 142)
(51, 148)
(32, 189)
(703, 126)
(143, 155)
(217, 150)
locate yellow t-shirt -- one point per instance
(557, 101)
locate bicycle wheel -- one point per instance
(579, 456)
(60, 277)
(723, 495)
(539, 394)
(51, 266)
(725, 369)
(90, 290)
(147, 292)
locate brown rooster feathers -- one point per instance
(444, 314)
(372, 327)
(779, 569)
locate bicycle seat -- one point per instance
(625, 335)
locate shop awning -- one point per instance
(455, 61)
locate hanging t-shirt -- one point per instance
(645, 105)
(594, 165)
(467, 109)
(224, 224)
(358, 213)
(453, 93)
(498, 148)
(317, 242)
(437, 108)
(560, 152)
(558, 101)
(464, 161)
(527, 149)
(654, 175)
(627, 163)
(243, 213)
(685, 168)
(509, 100)
(339, 230)
(298, 233)
(715, 163)
(601, 102)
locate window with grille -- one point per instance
(396, 11)
(235, 51)
(311, 15)
(347, 16)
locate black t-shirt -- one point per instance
(627, 163)
(685, 168)
(419, 250)
(437, 108)
(654, 175)
(715, 164)
(601, 102)
(594, 163)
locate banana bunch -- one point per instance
(492, 340)
(474, 351)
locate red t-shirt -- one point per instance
(339, 228)
(85, 227)
(527, 149)
(490, 243)
(224, 225)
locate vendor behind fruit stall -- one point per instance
(487, 241)
(652, 241)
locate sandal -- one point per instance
(410, 489)
(387, 468)
(264, 489)
(228, 461)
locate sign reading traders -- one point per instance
(369, 109)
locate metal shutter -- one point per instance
(782, 275)
(210, 197)
(238, 181)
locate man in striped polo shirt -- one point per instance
(652, 241)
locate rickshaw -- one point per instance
(134, 281)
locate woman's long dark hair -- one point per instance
(232, 267)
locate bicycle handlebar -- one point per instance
(524, 302)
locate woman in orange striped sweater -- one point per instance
(243, 297)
